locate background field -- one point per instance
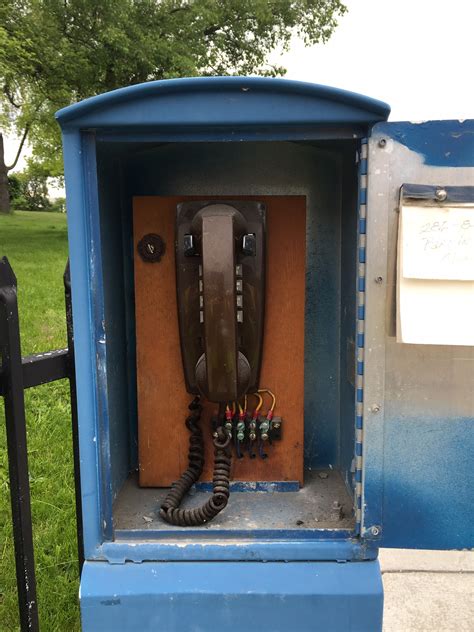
(36, 245)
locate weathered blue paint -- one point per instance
(79, 233)
(326, 545)
(99, 332)
(222, 101)
(440, 143)
(428, 499)
(418, 433)
(275, 595)
(119, 384)
(231, 596)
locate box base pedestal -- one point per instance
(231, 596)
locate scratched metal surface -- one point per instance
(418, 468)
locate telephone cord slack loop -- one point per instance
(170, 511)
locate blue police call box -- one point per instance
(299, 272)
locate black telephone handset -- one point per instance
(220, 281)
(220, 276)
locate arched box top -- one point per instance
(222, 102)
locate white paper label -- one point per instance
(435, 275)
(438, 243)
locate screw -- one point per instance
(252, 436)
(151, 248)
(379, 279)
(375, 408)
(441, 194)
(375, 531)
(215, 435)
(264, 436)
(382, 142)
(277, 425)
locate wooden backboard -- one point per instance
(162, 397)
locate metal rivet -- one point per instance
(375, 408)
(441, 194)
(379, 279)
(382, 142)
(375, 530)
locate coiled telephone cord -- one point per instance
(170, 511)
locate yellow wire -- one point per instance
(266, 390)
(241, 410)
(245, 402)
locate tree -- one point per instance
(55, 52)
(29, 189)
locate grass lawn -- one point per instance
(36, 245)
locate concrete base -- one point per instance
(426, 591)
(428, 602)
(231, 596)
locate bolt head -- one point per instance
(379, 279)
(441, 194)
(264, 436)
(382, 142)
(375, 408)
(252, 436)
(375, 531)
(151, 248)
(277, 425)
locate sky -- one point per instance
(416, 55)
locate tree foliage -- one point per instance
(55, 52)
(29, 189)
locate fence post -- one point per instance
(13, 393)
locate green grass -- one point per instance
(36, 245)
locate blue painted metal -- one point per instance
(440, 143)
(428, 502)
(82, 266)
(359, 332)
(232, 596)
(222, 101)
(286, 168)
(419, 477)
(300, 586)
(326, 545)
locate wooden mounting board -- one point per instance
(162, 397)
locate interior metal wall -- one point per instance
(212, 169)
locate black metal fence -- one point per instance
(16, 374)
